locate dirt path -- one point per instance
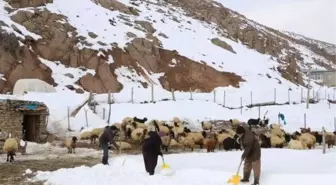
(12, 174)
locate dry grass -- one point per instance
(12, 174)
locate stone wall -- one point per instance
(11, 119)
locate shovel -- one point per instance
(235, 179)
(164, 165)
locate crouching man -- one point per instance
(107, 137)
(151, 149)
(251, 154)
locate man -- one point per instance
(251, 154)
(151, 149)
(107, 136)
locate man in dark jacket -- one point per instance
(151, 149)
(251, 154)
(106, 138)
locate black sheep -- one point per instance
(151, 149)
(187, 130)
(318, 137)
(287, 138)
(265, 141)
(231, 143)
(253, 122)
(140, 120)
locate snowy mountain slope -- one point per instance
(120, 45)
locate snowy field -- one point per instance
(278, 166)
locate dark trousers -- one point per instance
(150, 161)
(255, 165)
(105, 153)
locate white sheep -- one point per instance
(296, 145)
(70, 144)
(187, 142)
(277, 141)
(165, 142)
(206, 125)
(220, 138)
(85, 135)
(10, 147)
(138, 134)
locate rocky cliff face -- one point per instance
(59, 40)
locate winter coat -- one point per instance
(251, 146)
(108, 136)
(152, 144)
(161, 134)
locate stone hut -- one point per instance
(24, 119)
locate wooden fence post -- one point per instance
(109, 101)
(94, 108)
(191, 96)
(173, 94)
(251, 98)
(323, 140)
(274, 95)
(241, 105)
(304, 120)
(214, 94)
(152, 90)
(132, 95)
(224, 99)
(86, 117)
(69, 118)
(104, 113)
(259, 111)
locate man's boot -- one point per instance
(245, 178)
(105, 160)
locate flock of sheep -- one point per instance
(176, 134)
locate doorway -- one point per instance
(30, 127)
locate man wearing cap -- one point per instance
(107, 136)
(251, 154)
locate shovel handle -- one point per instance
(241, 161)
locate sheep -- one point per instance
(140, 120)
(330, 139)
(118, 125)
(85, 135)
(296, 145)
(71, 144)
(161, 128)
(186, 141)
(305, 130)
(123, 145)
(165, 142)
(139, 125)
(176, 120)
(175, 144)
(265, 141)
(127, 120)
(253, 122)
(186, 129)
(95, 133)
(220, 138)
(10, 147)
(206, 125)
(234, 122)
(177, 130)
(138, 134)
(318, 137)
(264, 122)
(277, 141)
(210, 144)
(308, 139)
(274, 125)
(277, 131)
(198, 137)
(230, 143)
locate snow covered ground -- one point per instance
(279, 167)
(36, 151)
